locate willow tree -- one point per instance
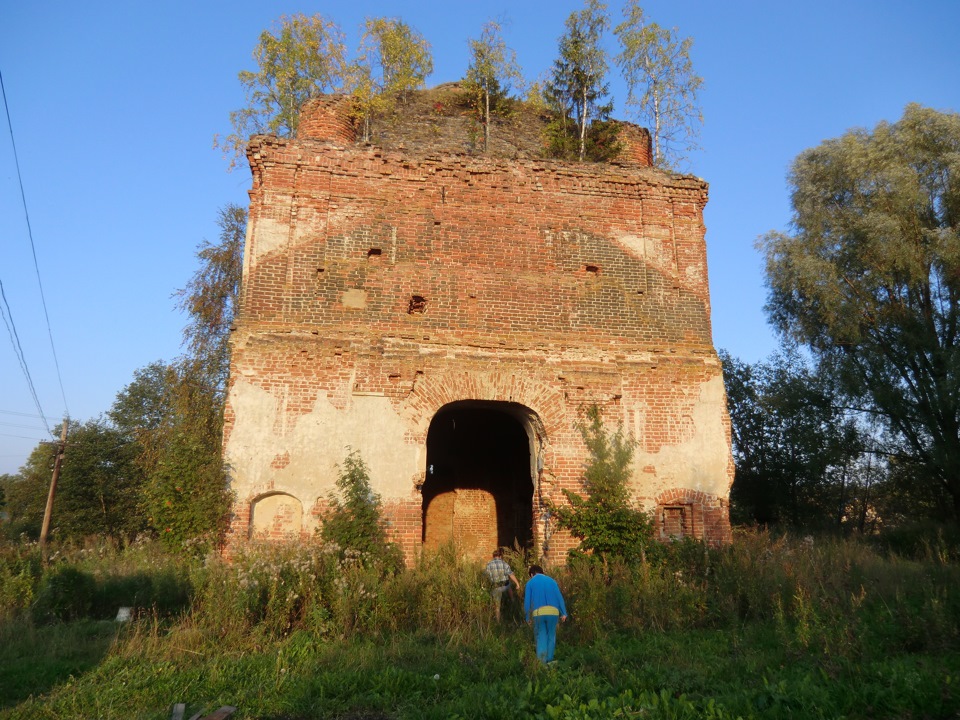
(304, 56)
(493, 67)
(868, 279)
(661, 85)
(394, 59)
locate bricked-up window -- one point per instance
(277, 516)
(676, 521)
(417, 306)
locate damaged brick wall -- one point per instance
(383, 285)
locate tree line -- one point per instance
(152, 465)
(306, 56)
(857, 426)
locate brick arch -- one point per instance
(433, 392)
(276, 515)
(682, 512)
(482, 470)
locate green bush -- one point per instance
(165, 592)
(65, 594)
(267, 589)
(91, 580)
(605, 521)
(355, 522)
(921, 541)
(20, 571)
(443, 595)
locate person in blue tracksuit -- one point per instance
(543, 603)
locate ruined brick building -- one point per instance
(450, 314)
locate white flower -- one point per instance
(436, 677)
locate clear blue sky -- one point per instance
(114, 106)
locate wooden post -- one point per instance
(58, 461)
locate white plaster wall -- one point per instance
(699, 463)
(269, 237)
(655, 248)
(315, 443)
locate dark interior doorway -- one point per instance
(478, 491)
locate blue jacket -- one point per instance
(540, 591)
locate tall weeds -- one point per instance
(838, 598)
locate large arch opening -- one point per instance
(478, 491)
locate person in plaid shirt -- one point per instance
(501, 578)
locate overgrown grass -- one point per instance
(767, 628)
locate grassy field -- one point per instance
(768, 628)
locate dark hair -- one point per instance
(535, 570)
(498, 552)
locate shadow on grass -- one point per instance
(34, 660)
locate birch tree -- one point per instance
(493, 67)
(301, 58)
(212, 295)
(661, 85)
(394, 59)
(576, 87)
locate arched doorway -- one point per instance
(478, 490)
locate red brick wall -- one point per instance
(478, 240)
(430, 279)
(329, 118)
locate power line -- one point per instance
(18, 350)
(21, 414)
(43, 301)
(21, 437)
(18, 425)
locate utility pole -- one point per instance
(58, 461)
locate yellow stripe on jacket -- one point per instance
(546, 610)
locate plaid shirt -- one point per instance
(499, 572)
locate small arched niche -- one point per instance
(277, 516)
(481, 471)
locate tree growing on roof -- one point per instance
(303, 57)
(661, 85)
(493, 67)
(394, 59)
(577, 89)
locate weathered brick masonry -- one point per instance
(450, 315)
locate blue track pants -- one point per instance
(545, 633)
